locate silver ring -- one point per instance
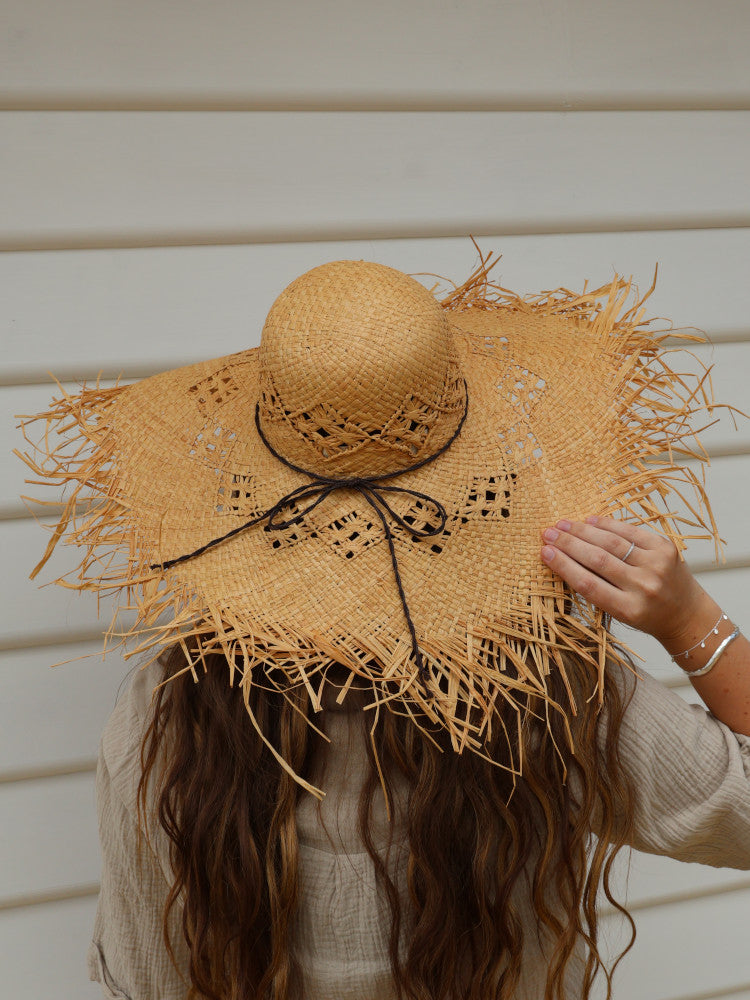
(625, 557)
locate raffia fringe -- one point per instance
(492, 666)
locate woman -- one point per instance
(483, 744)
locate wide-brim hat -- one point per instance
(461, 427)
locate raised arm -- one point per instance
(638, 577)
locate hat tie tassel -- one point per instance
(369, 487)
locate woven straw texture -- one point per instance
(572, 410)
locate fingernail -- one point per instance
(592, 519)
(548, 553)
(550, 534)
(564, 525)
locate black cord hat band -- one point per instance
(323, 486)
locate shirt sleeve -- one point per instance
(127, 955)
(691, 775)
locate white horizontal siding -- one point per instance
(684, 950)
(129, 178)
(43, 951)
(515, 53)
(653, 881)
(78, 313)
(51, 718)
(742, 994)
(725, 480)
(49, 839)
(34, 615)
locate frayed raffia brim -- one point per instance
(573, 410)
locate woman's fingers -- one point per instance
(588, 584)
(644, 538)
(601, 551)
(629, 571)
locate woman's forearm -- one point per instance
(725, 689)
(639, 578)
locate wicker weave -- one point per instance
(572, 410)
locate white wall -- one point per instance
(168, 168)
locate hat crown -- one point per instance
(358, 371)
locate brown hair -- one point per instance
(474, 835)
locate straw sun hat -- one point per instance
(460, 428)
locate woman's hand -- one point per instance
(653, 590)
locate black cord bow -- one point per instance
(323, 486)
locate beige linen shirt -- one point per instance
(692, 776)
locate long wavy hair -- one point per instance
(474, 837)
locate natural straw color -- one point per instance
(571, 411)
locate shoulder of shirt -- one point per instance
(121, 739)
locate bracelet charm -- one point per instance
(722, 646)
(702, 642)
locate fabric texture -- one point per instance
(692, 779)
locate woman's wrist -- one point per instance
(706, 628)
(703, 641)
(725, 686)
(698, 615)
